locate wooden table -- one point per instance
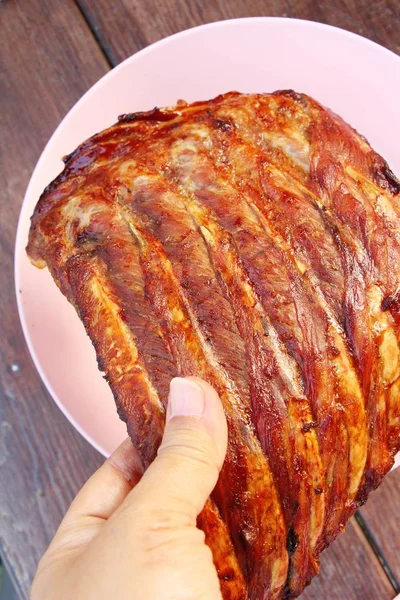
(51, 51)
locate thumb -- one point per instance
(191, 454)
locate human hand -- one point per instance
(128, 536)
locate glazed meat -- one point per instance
(252, 240)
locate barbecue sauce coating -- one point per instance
(252, 240)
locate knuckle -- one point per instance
(193, 444)
(163, 546)
(159, 519)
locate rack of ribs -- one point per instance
(253, 241)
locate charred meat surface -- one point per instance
(254, 241)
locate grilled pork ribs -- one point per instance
(252, 240)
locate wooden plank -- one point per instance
(48, 58)
(381, 515)
(125, 26)
(350, 571)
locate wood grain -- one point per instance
(382, 517)
(350, 571)
(125, 26)
(48, 58)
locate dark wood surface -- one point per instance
(350, 571)
(51, 51)
(125, 26)
(48, 58)
(382, 518)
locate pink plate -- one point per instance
(355, 77)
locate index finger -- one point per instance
(109, 485)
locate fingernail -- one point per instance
(186, 399)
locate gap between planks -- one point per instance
(104, 50)
(376, 549)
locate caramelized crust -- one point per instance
(251, 240)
